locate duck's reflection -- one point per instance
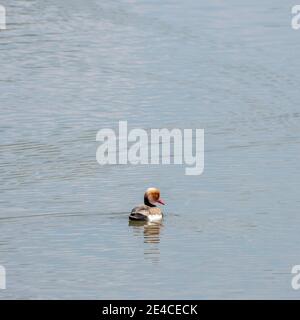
(151, 233)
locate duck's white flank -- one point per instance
(154, 217)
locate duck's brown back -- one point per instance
(142, 212)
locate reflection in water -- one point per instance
(151, 232)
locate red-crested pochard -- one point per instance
(148, 211)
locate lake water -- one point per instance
(70, 68)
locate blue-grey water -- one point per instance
(70, 68)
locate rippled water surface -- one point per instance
(70, 68)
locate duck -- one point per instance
(148, 211)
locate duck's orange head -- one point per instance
(153, 196)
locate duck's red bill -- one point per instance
(160, 201)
